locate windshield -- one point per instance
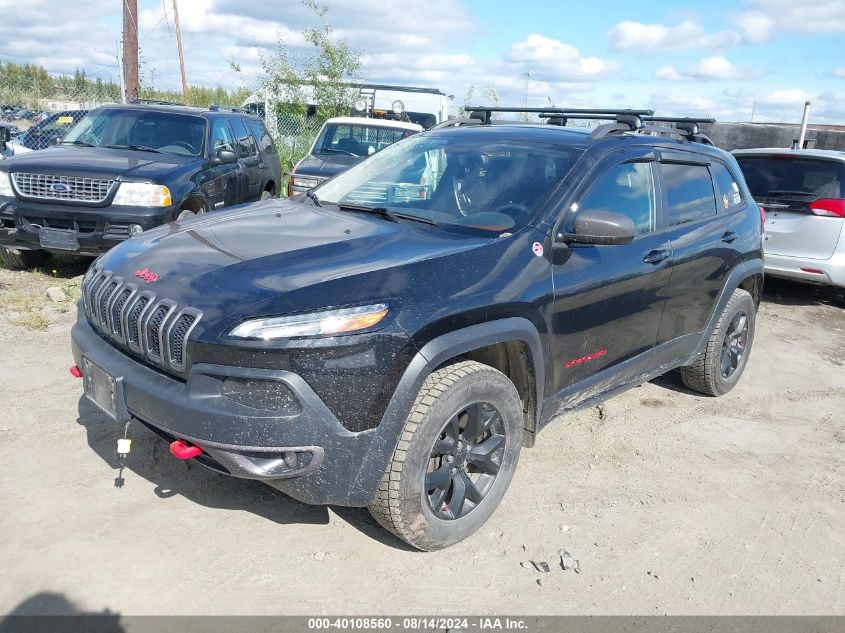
(145, 130)
(457, 179)
(791, 177)
(357, 140)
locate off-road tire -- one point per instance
(15, 259)
(705, 375)
(400, 505)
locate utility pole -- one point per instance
(185, 95)
(120, 65)
(130, 49)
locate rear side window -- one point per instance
(265, 142)
(243, 139)
(786, 176)
(728, 193)
(627, 189)
(689, 193)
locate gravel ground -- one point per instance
(670, 502)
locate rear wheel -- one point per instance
(21, 260)
(718, 368)
(455, 458)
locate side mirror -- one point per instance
(225, 157)
(5, 134)
(601, 227)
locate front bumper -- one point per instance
(97, 229)
(238, 440)
(829, 272)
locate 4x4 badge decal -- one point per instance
(146, 275)
(538, 249)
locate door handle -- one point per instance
(729, 237)
(655, 257)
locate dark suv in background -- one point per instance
(393, 338)
(124, 169)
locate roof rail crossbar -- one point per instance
(593, 111)
(625, 122)
(155, 102)
(227, 108)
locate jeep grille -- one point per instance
(41, 187)
(139, 322)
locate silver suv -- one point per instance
(803, 193)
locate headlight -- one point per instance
(6, 185)
(142, 194)
(344, 321)
(304, 181)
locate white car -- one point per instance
(803, 194)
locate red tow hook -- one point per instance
(182, 450)
(75, 371)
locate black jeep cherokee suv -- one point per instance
(393, 338)
(124, 169)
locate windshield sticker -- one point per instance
(725, 202)
(538, 249)
(64, 119)
(735, 187)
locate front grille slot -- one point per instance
(52, 187)
(117, 231)
(153, 328)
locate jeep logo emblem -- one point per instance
(60, 187)
(146, 275)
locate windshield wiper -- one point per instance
(777, 193)
(334, 150)
(313, 197)
(382, 211)
(138, 148)
(82, 143)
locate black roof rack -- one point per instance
(485, 113)
(227, 108)
(622, 121)
(155, 102)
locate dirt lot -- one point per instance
(671, 502)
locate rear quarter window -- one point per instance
(728, 193)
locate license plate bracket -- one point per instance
(105, 391)
(59, 239)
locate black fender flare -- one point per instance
(431, 355)
(747, 269)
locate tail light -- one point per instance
(830, 207)
(762, 220)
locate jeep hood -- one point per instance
(97, 162)
(227, 262)
(325, 165)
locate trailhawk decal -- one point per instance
(146, 275)
(584, 359)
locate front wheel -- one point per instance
(455, 458)
(718, 368)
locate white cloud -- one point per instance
(557, 61)
(839, 72)
(709, 69)
(819, 16)
(640, 37)
(756, 26)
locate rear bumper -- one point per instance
(238, 440)
(97, 229)
(828, 272)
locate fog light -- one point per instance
(290, 460)
(135, 229)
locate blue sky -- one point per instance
(717, 58)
